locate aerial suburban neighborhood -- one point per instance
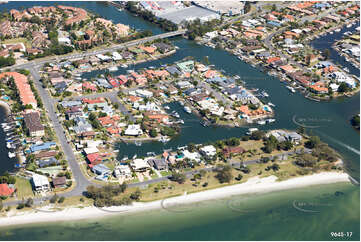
(124, 105)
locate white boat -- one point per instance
(261, 122)
(119, 9)
(187, 109)
(349, 25)
(164, 139)
(265, 94)
(125, 158)
(337, 30)
(175, 114)
(270, 120)
(331, 32)
(166, 107)
(113, 68)
(291, 89)
(181, 121)
(135, 156)
(138, 143)
(346, 69)
(11, 155)
(251, 130)
(124, 65)
(271, 104)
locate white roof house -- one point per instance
(133, 130)
(40, 182)
(192, 155)
(334, 86)
(211, 35)
(103, 57)
(116, 56)
(64, 40)
(93, 143)
(139, 165)
(208, 151)
(143, 93)
(91, 150)
(123, 170)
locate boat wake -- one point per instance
(341, 143)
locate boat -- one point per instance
(271, 104)
(138, 143)
(8, 145)
(346, 69)
(251, 130)
(331, 32)
(119, 9)
(181, 121)
(150, 154)
(265, 94)
(166, 107)
(270, 120)
(337, 30)
(113, 68)
(125, 158)
(261, 122)
(175, 114)
(11, 155)
(135, 156)
(349, 25)
(164, 139)
(181, 103)
(204, 123)
(291, 89)
(124, 65)
(187, 109)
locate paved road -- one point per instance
(95, 52)
(113, 96)
(49, 104)
(77, 192)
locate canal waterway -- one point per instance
(267, 217)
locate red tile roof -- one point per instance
(5, 190)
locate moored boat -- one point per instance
(11, 155)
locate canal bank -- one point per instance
(241, 217)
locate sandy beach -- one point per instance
(252, 186)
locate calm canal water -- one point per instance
(226, 219)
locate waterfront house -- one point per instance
(159, 164)
(40, 183)
(33, 124)
(41, 147)
(100, 169)
(192, 156)
(139, 165)
(133, 130)
(208, 151)
(59, 182)
(47, 162)
(122, 170)
(45, 154)
(23, 87)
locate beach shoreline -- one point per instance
(254, 185)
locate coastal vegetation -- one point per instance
(355, 121)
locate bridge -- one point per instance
(96, 52)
